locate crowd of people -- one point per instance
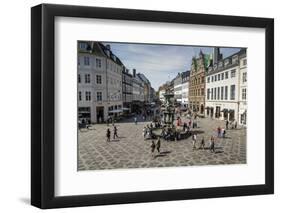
(174, 133)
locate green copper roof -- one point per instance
(207, 60)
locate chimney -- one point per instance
(134, 73)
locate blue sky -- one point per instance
(160, 63)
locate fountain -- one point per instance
(168, 109)
(168, 114)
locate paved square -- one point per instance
(130, 150)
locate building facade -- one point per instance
(178, 88)
(99, 82)
(138, 93)
(223, 87)
(127, 90)
(146, 86)
(185, 89)
(243, 89)
(197, 83)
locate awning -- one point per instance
(115, 111)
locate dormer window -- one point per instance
(226, 62)
(215, 66)
(235, 59)
(220, 64)
(83, 45)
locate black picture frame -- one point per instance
(43, 105)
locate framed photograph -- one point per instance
(136, 106)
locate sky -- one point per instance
(160, 63)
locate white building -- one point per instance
(178, 88)
(223, 88)
(243, 91)
(99, 82)
(185, 89)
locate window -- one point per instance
(226, 75)
(219, 77)
(208, 80)
(235, 59)
(245, 62)
(232, 92)
(218, 93)
(86, 61)
(79, 78)
(233, 72)
(225, 92)
(88, 95)
(87, 78)
(221, 93)
(80, 96)
(244, 94)
(202, 91)
(244, 77)
(98, 63)
(215, 93)
(212, 78)
(212, 93)
(208, 94)
(98, 79)
(82, 45)
(202, 80)
(215, 77)
(99, 96)
(222, 76)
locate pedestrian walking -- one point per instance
(152, 148)
(226, 124)
(108, 135)
(194, 138)
(158, 145)
(136, 120)
(219, 131)
(212, 145)
(115, 132)
(202, 144)
(224, 133)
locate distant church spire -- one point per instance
(216, 55)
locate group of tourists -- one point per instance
(231, 124)
(221, 132)
(202, 143)
(108, 133)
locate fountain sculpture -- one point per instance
(167, 114)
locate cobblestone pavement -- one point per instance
(130, 150)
